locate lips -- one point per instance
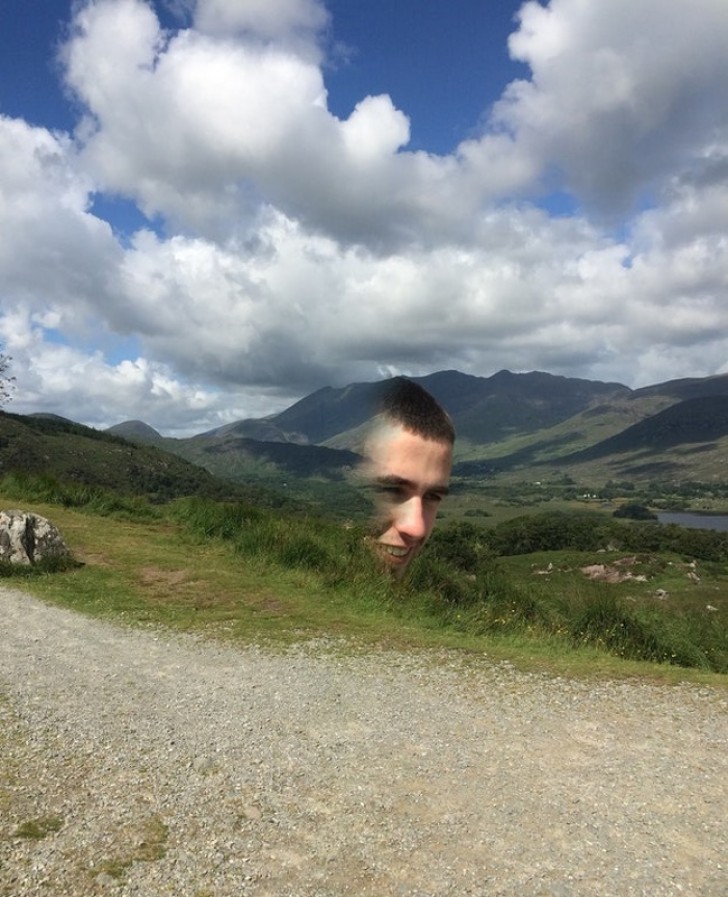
(395, 552)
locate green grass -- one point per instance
(244, 573)
(145, 843)
(37, 829)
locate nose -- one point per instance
(411, 520)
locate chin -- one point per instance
(397, 566)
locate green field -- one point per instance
(513, 590)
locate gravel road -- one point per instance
(156, 764)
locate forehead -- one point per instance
(394, 451)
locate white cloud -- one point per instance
(622, 94)
(202, 128)
(298, 249)
(52, 250)
(84, 387)
(294, 23)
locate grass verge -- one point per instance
(245, 574)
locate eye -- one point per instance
(434, 497)
(390, 491)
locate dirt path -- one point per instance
(149, 764)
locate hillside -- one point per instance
(136, 431)
(52, 446)
(238, 457)
(505, 405)
(699, 421)
(515, 425)
(512, 426)
(485, 409)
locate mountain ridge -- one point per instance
(506, 422)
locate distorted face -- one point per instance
(410, 477)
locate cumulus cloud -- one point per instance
(294, 249)
(201, 129)
(83, 386)
(621, 94)
(296, 24)
(52, 249)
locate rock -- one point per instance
(27, 538)
(608, 573)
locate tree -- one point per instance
(634, 511)
(6, 381)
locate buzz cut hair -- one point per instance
(408, 404)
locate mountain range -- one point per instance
(518, 425)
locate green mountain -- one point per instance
(485, 409)
(506, 423)
(136, 431)
(518, 426)
(49, 445)
(699, 421)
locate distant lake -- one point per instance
(695, 521)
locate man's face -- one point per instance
(410, 476)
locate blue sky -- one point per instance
(213, 207)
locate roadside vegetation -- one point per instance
(516, 590)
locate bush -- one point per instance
(458, 545)
(606, 622)
(547, 532)
(212, 519)
(634, 511)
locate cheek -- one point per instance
(382, 519)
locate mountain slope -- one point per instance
(507, 422)
(73, 453)
(224, 455)
(699, 420)
(688, 388)
(136, 431)
(506, 404)
(484, 409)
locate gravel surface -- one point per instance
(152, 764)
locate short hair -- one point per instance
(406, 403)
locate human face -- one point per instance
(410, 476)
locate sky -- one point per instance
(211, 208)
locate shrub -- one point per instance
(212, 519)
(457, 545)
(606, 622)
(634, 511)
(547, 532)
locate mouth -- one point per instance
(395, 558)
(395, 552)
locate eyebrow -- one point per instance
(393, 480)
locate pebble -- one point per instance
(187, 767)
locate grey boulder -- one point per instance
(27, 538)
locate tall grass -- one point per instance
(460, 581)
(56, 564)
(607, 622)
(43, 488)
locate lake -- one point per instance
(695, 521)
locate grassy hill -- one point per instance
(510, 426)
(71, 453)
(517, 591)
(697, 421)
(229, 557)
